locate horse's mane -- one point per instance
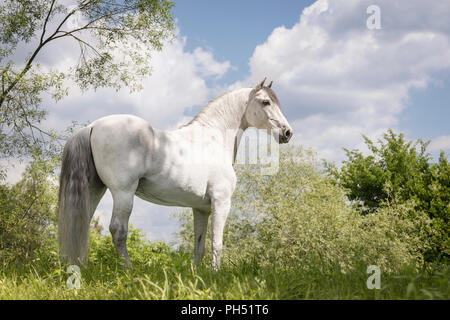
(211, 104)
(205, 109)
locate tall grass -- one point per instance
(292, 235)
(161, 272)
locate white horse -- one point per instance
(125, 154)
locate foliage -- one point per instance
(298, 238)
(28, 213)
(401, 170)
(115, 40)
(161, 272)
(300, 217)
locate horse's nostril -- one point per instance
(288, 133)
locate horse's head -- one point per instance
(263, 112)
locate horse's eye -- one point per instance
(266, 102)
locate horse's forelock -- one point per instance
(272, 95)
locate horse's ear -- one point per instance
(260, 85)
(270, 84)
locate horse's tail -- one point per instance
(78, 175)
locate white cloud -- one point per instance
(440, 143)
(178, 82)
(207, 65)
(336, 79)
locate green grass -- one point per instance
(163, 273)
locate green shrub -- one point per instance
(142, 252)
(28, 213)
(300, 217)
(402, 170)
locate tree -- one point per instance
(398, 171)
(115, 40)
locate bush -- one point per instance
(401, 170)
(28, 213)
(141, 252)
(300, 217)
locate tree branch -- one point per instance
(46, 21)
(87, 26)
(3, 80)
(33, 56)
(66, 33)
(54, 36)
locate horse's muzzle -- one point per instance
(285, 134)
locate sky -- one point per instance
(335, 77)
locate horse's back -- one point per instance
(114, 121)
(121, 146)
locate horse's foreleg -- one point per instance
(220, 210)
(123, 204)
(200, 228)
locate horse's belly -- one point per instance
(170, 194)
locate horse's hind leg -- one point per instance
(96, 194)
(123, 204)
(200, 228)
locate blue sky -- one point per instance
(336, 79)
(428, 113)
(232, 29)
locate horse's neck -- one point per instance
(225, 113)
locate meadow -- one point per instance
(293, 235)
(161, 272)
